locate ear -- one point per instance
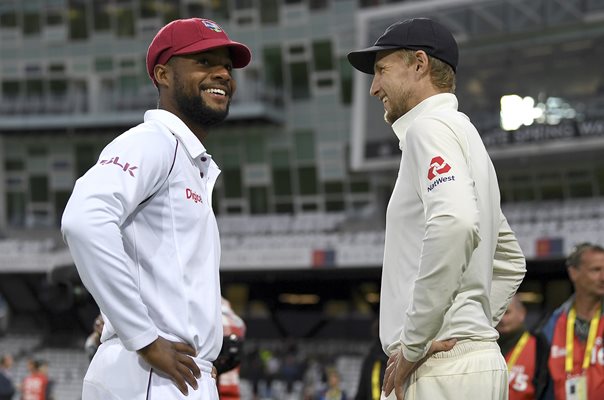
(422, 62)
(572, 273)
(233, 86)
(522, 311)
(162, 74)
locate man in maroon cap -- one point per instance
(142, 232)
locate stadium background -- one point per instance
(307, 163)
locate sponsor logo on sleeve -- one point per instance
(438, 167)
(126, 167)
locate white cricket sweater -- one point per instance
(145, 240)
(451, 261)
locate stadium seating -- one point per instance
(546, 229)
(345, 356)
(18, 345)
(539, 224)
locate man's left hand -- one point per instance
(399, 369)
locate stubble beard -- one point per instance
(391, 117)
(195, 109)
(399, 108)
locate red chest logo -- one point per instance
(191, 195)
(437, 167)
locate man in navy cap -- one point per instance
(451, 261)
(142, 232)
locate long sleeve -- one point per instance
(509, 268)
(451, 230)
(129, 170)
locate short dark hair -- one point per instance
(575, 257)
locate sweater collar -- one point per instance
(441, 100)
(179, 129)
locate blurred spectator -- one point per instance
(291, 369)
(229, 359)
(525, 354)
(34, 385)
(4, 315)
(94, 339)
(314, 377)
(43, 368)
(272, 366)
(253, 370)
(373, 368)
(7, 387)
(334, 390)
(576, 329)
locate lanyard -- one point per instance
(570, 336)
(518, 349)
(376, 387)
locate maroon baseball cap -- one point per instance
(193, 35)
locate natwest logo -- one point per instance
(437, 167)
(193, 196)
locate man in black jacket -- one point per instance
(373, 368)
(7, 388)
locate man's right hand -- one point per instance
(398, 369)
(173, 359)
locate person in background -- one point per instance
(451, 261)
(43, 368)
(334, 389)
(7, 387)
(228, 361)
(525, 353)
(291, 365)
(314, 377)
(93, 341)
(252, 369)
(575, 330)
(4, 315)
(34, 385)
(372, 369)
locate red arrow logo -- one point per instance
(438, 166)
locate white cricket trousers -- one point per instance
(119, 374)
(470, 371)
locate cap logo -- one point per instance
(211, 25)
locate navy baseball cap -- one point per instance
(413, 34)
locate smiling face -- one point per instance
(393, 83)
(198, 87)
